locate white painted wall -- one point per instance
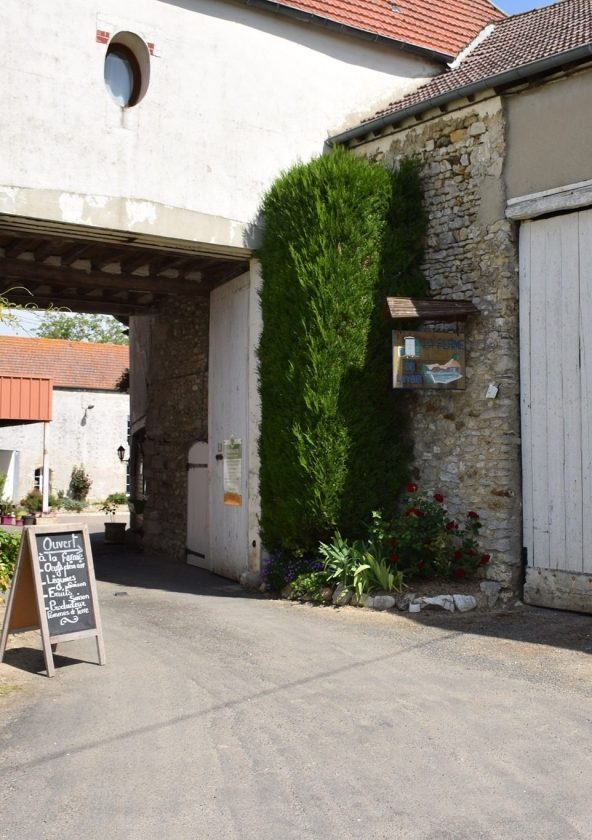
(74, 440)
(237, 95)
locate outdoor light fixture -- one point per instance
(121, 453)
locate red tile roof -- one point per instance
(71, 364)
(513, 43)
(444, 26)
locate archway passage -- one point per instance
(108, 272)
(120, 273)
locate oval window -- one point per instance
(122, 75)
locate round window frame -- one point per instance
(124, 52)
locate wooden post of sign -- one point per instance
(54, 590)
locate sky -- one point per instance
(27, 324)
(512, 7)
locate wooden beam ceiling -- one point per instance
(68, 272)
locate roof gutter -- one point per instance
(335, 26)
(517, 74)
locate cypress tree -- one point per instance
(338, 238)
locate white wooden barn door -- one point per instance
(228, 396)
(556, 408)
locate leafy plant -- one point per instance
(6, 507)
(66, 503)
(33, 501)
(109, 509)
(360, 565)
(341, 559)
(374, 573)
(423, 540)
(9, 548)
(80, 484)
(308, 587)
(282, 567)
(117, 498)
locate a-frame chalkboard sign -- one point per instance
(54, 590)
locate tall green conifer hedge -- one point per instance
(340, 234)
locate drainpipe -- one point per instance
(45, 472)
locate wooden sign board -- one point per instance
(54, 590)
(424, 360)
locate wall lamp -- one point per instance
(121, 454)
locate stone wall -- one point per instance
(176, 417)
(467, 445)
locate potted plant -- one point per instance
(114, 531)
(6, 512)
(32, 503)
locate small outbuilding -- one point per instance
(60, 407)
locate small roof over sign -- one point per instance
(401, 308)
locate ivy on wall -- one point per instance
(340, 234)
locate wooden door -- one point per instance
(556, 394)
(228, 394)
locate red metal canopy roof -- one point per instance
(25, 398)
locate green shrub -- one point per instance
(33, 501)
(117, 498)
(80, 484)
(308, 587)
(9, 549)
(425, 542)
(282, 567)
(340, 234)
(64, 502)
(361, 565)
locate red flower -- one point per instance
(484, 560)
(472, 515)
(421, 565)
(427, 542)
(458, 555)
(411, 488)
(394, 558)
(451, 526)
(392, 541)
(413, 511)
(472, 552)
(459, 573)
(438, 497)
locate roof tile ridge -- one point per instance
(474, 44)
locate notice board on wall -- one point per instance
(423, 360)
(54, 590)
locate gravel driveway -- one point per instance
(220, 715)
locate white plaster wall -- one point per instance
(73, 440)
(549, 130)
(236, 95)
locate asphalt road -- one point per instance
(220, 715)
